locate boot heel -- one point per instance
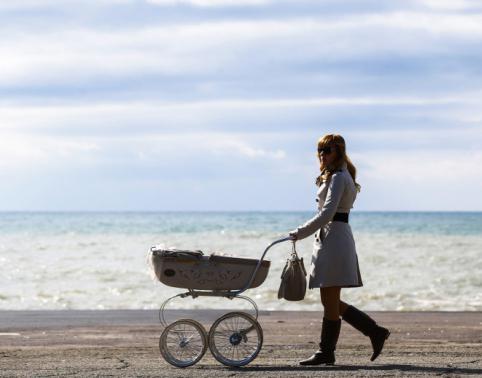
(378, 345)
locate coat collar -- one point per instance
(319, 179)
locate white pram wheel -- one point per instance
(183, 343)
(235, 339)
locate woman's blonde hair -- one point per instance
(336, 141)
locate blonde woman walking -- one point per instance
(334, 262)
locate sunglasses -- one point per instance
(326, 150)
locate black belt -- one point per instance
(341, 217)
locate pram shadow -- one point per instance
(387, 367)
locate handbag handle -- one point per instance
(295, 257)
(294, 254)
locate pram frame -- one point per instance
(230, 294)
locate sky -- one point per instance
(197, 105)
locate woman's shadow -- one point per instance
(387, 367)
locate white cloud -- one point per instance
(444, 5)
(38, 4)
(23, 152)
(33, 4)
(109, 114)
(212, 3)
(465, 138)
(88, 54)
(227, 144)
(451, 5)
(423, 166)
(19, 151)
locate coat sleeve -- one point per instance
(333, 196)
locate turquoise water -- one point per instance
(408, 260)
(432, 223)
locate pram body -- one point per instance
(196, 271)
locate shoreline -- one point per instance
(32, 319)
(125, 343)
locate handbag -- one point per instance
(293, 278)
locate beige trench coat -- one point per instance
(334, 261)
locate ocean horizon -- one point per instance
(409, 260)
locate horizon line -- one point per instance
(232, 211)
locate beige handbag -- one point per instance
(293, 278)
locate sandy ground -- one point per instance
(125, 343)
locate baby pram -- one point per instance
(234, 339)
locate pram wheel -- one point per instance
(235, 339)
(183, 343)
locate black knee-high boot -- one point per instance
(330, 330)
(366, 325)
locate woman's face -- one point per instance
(327, 155)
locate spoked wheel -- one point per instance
(183, 343)
(235, 339)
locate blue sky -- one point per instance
(217, 105)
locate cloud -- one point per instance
(207, 49)
(427, 121)
(451, 5)
(418, 179)
(212, 3)
(171, 151)
(424, 166)
(136, 97)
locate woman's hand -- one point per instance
(293, 234)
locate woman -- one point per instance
(334, 262)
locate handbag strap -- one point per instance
(294, 254)
(295, 257)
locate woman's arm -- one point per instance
(333, 196)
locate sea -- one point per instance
(429, 261)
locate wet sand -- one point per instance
(125, 343)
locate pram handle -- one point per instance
(237, 292)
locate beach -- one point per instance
(124, 343)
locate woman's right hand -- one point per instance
(293, 235)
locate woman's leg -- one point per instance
(366, 325)
(343, 307)
(334, 307)
(325, 299)
(330, 298)
(330, 328)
